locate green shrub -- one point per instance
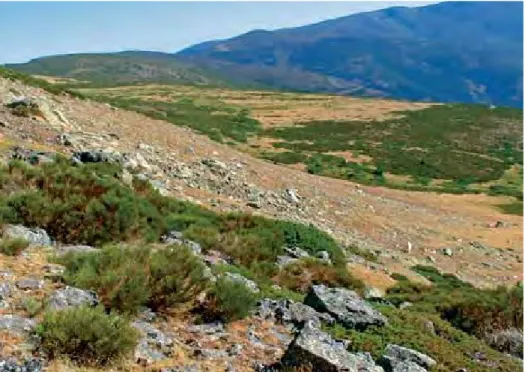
(87, 336)
(126, 278)
(119, 275)
(32, 306)
(475, 311)
(176, 276)
(230, 300)
(13, 247)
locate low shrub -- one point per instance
(86, 336)
(126, 278)
(176, 276)
(13, 247)
(229, 300)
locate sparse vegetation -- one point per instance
(87, 336)
(13, 247)
(450, 347)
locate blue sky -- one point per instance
(34, 29)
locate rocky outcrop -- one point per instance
(345, 306)
(35, 236)
(238, 278)
(314, 349)
(402, 359)
(70, 297)
(508, 341)
(291, 313)
(153, 346)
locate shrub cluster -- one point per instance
(127, 278)
(87, 336)
(13, 247)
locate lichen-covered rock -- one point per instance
(35, 236)
(291, 313)
(345, 306)
(70, 297)
(29, 284)
(296, 252)
(154, 344)
(16, 324)
(317, 350)
(398, 358)
(507, 341)
(32, 365)
(250, 284)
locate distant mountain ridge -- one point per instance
(447, 52)
(456, 51)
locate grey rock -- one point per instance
(176, 238)
(16, 324)
(35, 236)
(210, 354)
(373, 293)
(29, 284)
(447, 252)
(216, 258)
(317, 350)
(95, 156)
(207, 329)
(345, 306)
(250, 284)
(323, 255)
(405, 305)
(296, 252)
(189, 368)
(32, 365)
(291, 196)
(290, 313)
(31, 156)
(154, 344)
(70, 297)
(283, 261)
(507, 341)
(395, 354)
(235, 349)
(393, 365)
(65, 249)
(5, 290)
(54, 271)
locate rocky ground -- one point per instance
(464, 235)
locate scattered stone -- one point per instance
(291, 196)
(176, 238)
(210, 354)
(431, 259)
(70, 297)
(345, 306)
(207, 329)
(213, 258)
(54, 272)
(32, 365)
(283, 261)
(95, 156)
(291, 313)
(296, 252)
(324, 256)
(29, 284)
(250, 284)
(16, 324)
(372, 293)
(429, 326)
(447, 252)
(64, 139)
(405, 305)
(31, 156)
(395, 354)
(35, 236)
(315, 349)
(153, 346)
(5, 291)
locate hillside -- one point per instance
(118, 68)
(155, 248)
(449, 52)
